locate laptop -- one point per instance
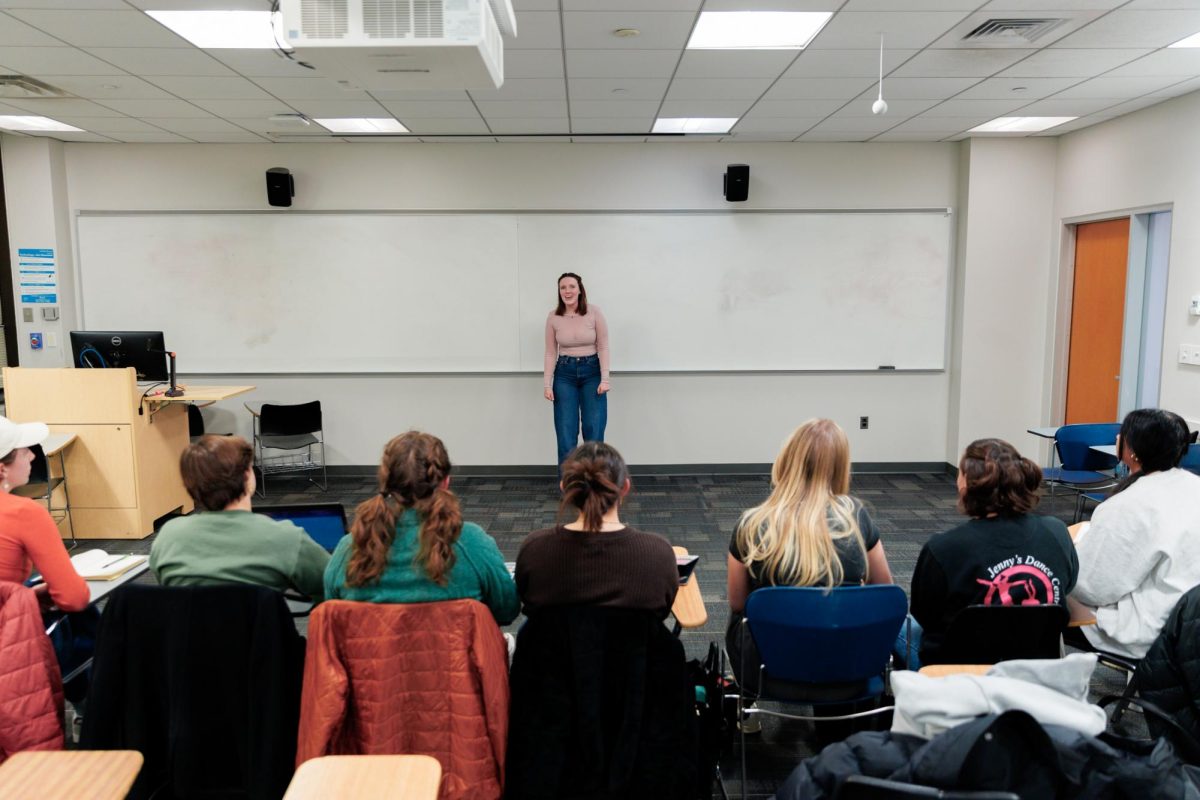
(324, 522)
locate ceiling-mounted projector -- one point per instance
(402, 44)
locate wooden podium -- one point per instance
(123, 467)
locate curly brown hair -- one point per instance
(414, 468)
(999, 480)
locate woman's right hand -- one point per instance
(548, 394)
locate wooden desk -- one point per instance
(69, 775)
(101, 588)
(366, 778)
(194, 394)
(689, 607)
(124, 463)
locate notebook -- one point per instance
(97, 565)
(324, 522)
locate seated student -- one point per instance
(808, 532)
(223, 541)
(409, 544)
(1141, 551)
(596, 559)
(29, 538)
(1003, 555)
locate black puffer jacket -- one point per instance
(1169, 675)
(1010, 752)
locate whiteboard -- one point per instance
(469, 292)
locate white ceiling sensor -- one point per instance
(396, 45)
(694, 124)
(224, 30)
(35, 123)
(756, 30)
(1191, 41)
(361, 125)
(1020, 124)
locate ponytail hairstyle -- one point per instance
(998, 480)
(562, 307)
(790, 538)
(1157, 438)
(593, 478)
(410, 476)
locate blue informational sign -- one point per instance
(39, 298)
(35, 252)
(37, 275)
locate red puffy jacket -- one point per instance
(31, 693)
(412, 678)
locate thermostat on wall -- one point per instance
(1194, 308)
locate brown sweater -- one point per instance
(618, 569)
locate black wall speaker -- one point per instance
(280, 187)
(737, 182)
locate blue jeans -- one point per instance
(907, 648)
(576, 403)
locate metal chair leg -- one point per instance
(62, 466)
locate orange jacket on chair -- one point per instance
(31, 694)
(413, 678)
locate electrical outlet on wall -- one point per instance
(1189, 354)
(864, 423)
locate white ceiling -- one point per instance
(567, 77)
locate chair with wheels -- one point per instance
(820, 647)
(295, 434)
(1081, 466)
(982, 634)
(42, 485)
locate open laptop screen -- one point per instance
(324, 522)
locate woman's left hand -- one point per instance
(603, 388)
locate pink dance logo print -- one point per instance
(1020, 581)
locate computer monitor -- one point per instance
(145, 351)
(324, 522)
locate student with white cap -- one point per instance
(29, 538)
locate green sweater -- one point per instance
(478, 573)
(210, 547)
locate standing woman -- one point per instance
(575, 377)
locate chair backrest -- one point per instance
(1074, 443)
(990, 634)
(289, 420)
(195, 421)
(1191, 459)
(39, 468)
(818, 635)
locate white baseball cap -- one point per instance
(15, 435)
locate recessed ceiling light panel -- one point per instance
(694, 124)
(34, 123)
(756, 30)
(361, 125)
(225, 30)
(1020, 124)
(1191, 41)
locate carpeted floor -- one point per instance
(698, 512)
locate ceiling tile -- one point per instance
(536, 30)
(538, 139)
(1027, 89)
(517, 109)
(109, 87)
(743, 138)
(661, 30)
(717, 88)
(188, 5)
(154, 61)
(225, 138)
(912, 5)
(623, 109)
(79, 108)
(150, 137)
(533, 64)
(1134, 28)
(899, 134)
(1066, 107)
(613, 125)
(100, 28)
(794, 108)
(535, 5)
(946, 126)
(959, 63)
(621, 63)
(445, 125)
(457, 95)
(1183, 62)
(458, 139)
(617, 89)
(108, 125)
(1122, 88)
(42, 62)
(68, 136)
(15, 33)
(1064, 63)
(207, 88)
(823, 135)
(846, 63)
(998, 7)
(632, 5)
(70, 4)
(1175, 89)
(855, 124)
(734, 63)
(264, 125)
(536, 125)
(817, 88)
(321, 109)
(156, 108)
(897, 109)
(796, 125)
(253, 64)
(704, 108)
(245, 108)
(972, 108)
(524, 89)
(903, 29)
(186, 125)
(1163, 4)
(925, 88)
(441, 109)
(309, 89)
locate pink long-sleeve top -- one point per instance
(575, 335)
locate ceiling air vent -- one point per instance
(325, 19)
(27, 88)
(996, 31)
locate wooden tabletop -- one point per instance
(366, 778)
(199, 393)
(689, 607)
(56, 443)
(69, 775)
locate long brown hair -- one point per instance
(562, 307)
(593, 478)
(411, 474)
(998, 479)
(789, 539)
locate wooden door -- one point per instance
(1097, 320)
